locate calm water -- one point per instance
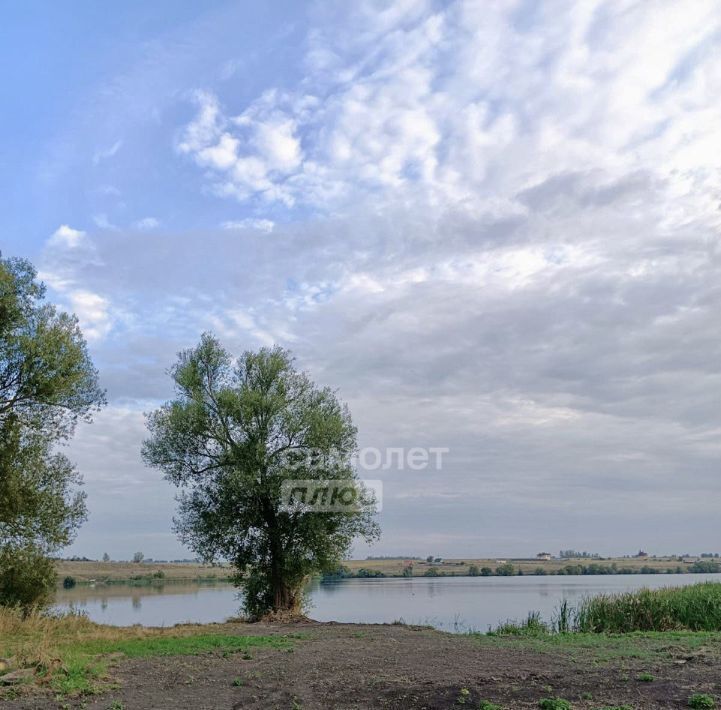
(449, 603)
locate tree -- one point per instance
(47, 380)
(106, 557)
(47, 384)
(138, 557)
(237, 430)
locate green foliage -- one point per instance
(473, 571)
(554, 704)
(464, 696)
(235, 432)
(432, 572)
(369, 573)
(69, 582)
(645, 677)
(487, 705)
(46, 377)
(705, 567)
(486, 572)
(47, 384)
(27, 577)
(505, 570)
(701, 701)
(696, 608)
(407, 571)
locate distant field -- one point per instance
(116, 571)
(527, 566)
(84, 572)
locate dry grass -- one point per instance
(69, 652)
(116, 571)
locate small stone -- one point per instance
(17, 677)
(5, 665)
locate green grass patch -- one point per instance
(603, 648)
(180, 645)
(85, 664)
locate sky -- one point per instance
(492, 227)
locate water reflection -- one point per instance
(450, 603)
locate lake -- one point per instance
(448, 603)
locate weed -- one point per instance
(533, 625)
(554, 704)
(464, 695)
(701, 701)
(645, 677)
(487, 705)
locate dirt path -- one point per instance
(363, 666)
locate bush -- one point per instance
(701, 701)
(473, 571)
(505, 570)
(69, 582)
(27, 578)
(432, 572)
(486, 572)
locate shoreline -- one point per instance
(316, 665)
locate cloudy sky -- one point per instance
(492, 226)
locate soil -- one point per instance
(352, 666)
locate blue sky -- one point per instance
(493, 227)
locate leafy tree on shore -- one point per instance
(47, 384)
(235, 432)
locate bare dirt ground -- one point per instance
(393, 666)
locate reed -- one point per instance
(693, 608)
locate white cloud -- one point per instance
(105, 153)
(146, 223)
(65, 236)
(476, 99)
(67, 253)
(103, 222)
(260, 225)
(93, 312)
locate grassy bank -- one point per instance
(70, 654)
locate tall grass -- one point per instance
(693, 608)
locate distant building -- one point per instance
(641, 553)
(543, 556)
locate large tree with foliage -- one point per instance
(47, 384)
(235, 432)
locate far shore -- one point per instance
(84, 572)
